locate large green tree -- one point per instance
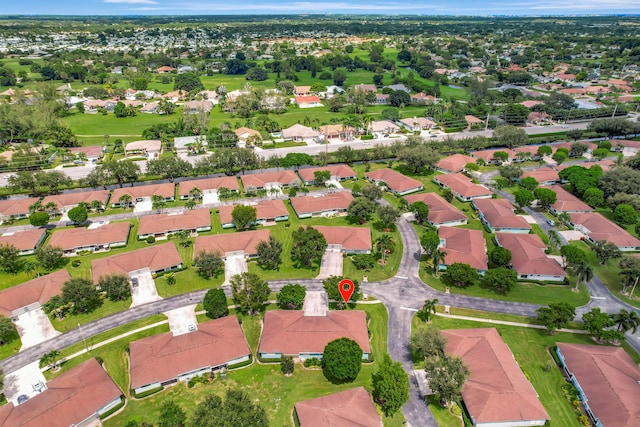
(291, 297)
(556, 315)
(510, 136)
(390, 386)
(208, 264)
(446, 376)
(244, 216)
(460, 275)
(169, 167)
(331, 287)
(78, 214)
(116, 286)
(215, 303)
(237, 409)
(343, 359)
(249, 292)
(269, 253)
(10, 260)
(82, 293)
(427, 342)
(50, 257)
(361, 209)
(308, 246)
(171, 415)
(501, 279)
(188, 82)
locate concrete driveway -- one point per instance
(35, 327)
(210, 196)
(146, 290)
(181, 319)
(143, 206)
(21, 382)
(332, 262)
(234, 264)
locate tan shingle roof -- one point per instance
(71, 238)
(162, 223)
(259, 180)
(265, 209)
(349, 408)
(23, 240)
(351, 238)
(231, 242)
(455, 162)
(155, 257)
(40, 289)
(395, 180)
(497, 391)
(326, 202)
(165, 190)
(440, 211)
(464, 246)
(340, 171)
(499, 213)
(228, 182)
(528, 257)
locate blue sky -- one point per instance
(214, 7)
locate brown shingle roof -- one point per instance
(542, 175)
(455, 162)
(165, 190)
(163, 357)
(351, 238)
(326, 202)
(462, 185)
(69, 398)
(291, 332)
(40, 289)
(395, 180)
(349, 408)
(440, 211)
(231, 242)
(228, 182)
(609, 379)
(600, 228)
(497, 390)
(163, 223)
(527, 254)
(156, 258)
(464, 246)
(567, 202)
(259, 180)
(72, 199)
(16, 206)
(265, 209)
(340, 171)
(23, 240)
(499, 213)
(72, 238)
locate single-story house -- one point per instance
(92, 106)
(441, 212)
(596, 227)
(282, 178)
(528, 257)
(144, 192)
(352, 240)
(29, 296)
(348, 408)
(17, 208)
(26, 242)
(245, 242)
(195, 107)
(92, 153)
(383, 127)
(162, 225)
(165, 359)
(338, 172)
(175, 95)
(184, 144)
(473, 121)
(567, 202)
(499, 216)
(93, 239)
(607, 380)
(339, 132)
(531, 149)
(308, 101)
(150, 108)
(302, 90)
(151, 148)
(544, 176)
(462, 187)
(464, 246)
(497, 393)
(454, 163)
(157, 258)
(77, 397)
(628, 148)
(421, 98)
(247, 136)
(268, 212)
(165, 69)
(364, 87)
(323, 205)
(299, 133)
(66, 201)
(489, 155)
(208, 185)
(291, 333)
(394, 181)
(418, 123)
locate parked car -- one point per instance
(551, 222)
(22, 398)
(134, 282)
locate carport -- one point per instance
(332, 262)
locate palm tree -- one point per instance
(438, 257)
(37, 206)
(627, 321)
(51, 208)
(190, 204)
(195, 193)
(428, 308)
(125, 200)
(96, 205)
(385, 243)
(584, 271)
(564, 218)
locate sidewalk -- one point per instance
(504, 322)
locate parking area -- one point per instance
(235, 263)
(182, 320)
(145, 291)
(210, 196)
(331, 263)
(26, 381)
(143, 206)
(35, 327)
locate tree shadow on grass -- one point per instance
(334, 380)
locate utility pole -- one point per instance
(83, 339)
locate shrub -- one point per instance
(312, 362)
(151, 239)
(286, 365)
(76, 263)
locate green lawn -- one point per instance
(10, 348)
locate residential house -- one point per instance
(292, 333)
(336, 132)
(185, 144)
(229, 243)
(78, 397)
(150, 108)
(302, 90)
(67, 201)
(162, 225)
(157, 258)
(381, 99)
(596, 227)
(454, 163)
(365, 87)
(383, 128)
(528, 257)
(628, 148)
(208, 185)
(351, 240)
(267, 180)
(399, 86)
(462, 187)
(144, 193)
(30, 296)
(441, 212)
(299, 133)
(92, 106)
(151, 148)
(497, 393)
(92, 153)
(339, 172)
(164, 359)
(210, 95)
(17, 208)
(268, 212)
(165, 69)
(422, 98)
(567, 202)
(175, 96)
(545, 176)
(184, 69)
(92, 239)
(324, 205)
(397, 183)
(539, 118)
(309, 101)
(195, 107)
(473, 122)
(499, 216)
(489, 155)
(463, 245)
(247, 136)
(26, 242)
(348, 408)
(607, 381)
(530, 103)
(418, 123)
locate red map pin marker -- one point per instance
(346, 289)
